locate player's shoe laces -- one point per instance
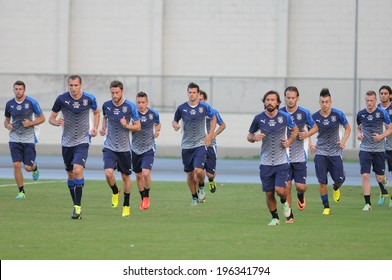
(77, 212)
(212, 186)
(286, 209)
(201, 194)
(274, 222)
(301, 206)
(21, 195)
(289, 220)
(194, 201)
(145, 203)
(115, 199)
(367, 207)
(126, 212)
(327, 211)
(382, 198)
(336, 195)
(35, 174)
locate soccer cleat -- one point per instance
(382, 198)
(274, 222)
(194, 201)
(21, 195)
(126, 212)
(336, 195)
(201, 194)
(301, 206)
(212, 186)
(115, 199)
(367, 207)
(327, 211)
(286, 209)
(77, 212)
(35, 174)
(289, 220)
(145, 204)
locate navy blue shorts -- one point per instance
(121, 161)
(75, 155)
(369, 159)
(194, 158)
(210, 165)
(23, 152)
(272, 176)
(143, 161)
(298, 172)
(331, 164)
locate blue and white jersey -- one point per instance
(330, 132)
(298, 150)
(76, 114)
(219, 121)
(194, 123)
(388, 140)
(372, 123)
(275, 130)
(18, 112)
(143, 140)
(117, 137)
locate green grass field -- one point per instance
(231, 225)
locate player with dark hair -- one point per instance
(270, 127)
(329, 147)
(120, 117)
(22, 117)
(143, 147)
(195, 139)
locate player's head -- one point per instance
(116, 90)
(75, 84)
(291, 95)
(271, 100)
(371, 99)
(385, 93)
(203, 96)
(142, 101)
(193, 92)
(325, 100)
(19, 89)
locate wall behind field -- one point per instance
(235, 49)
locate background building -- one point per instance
(236, 50)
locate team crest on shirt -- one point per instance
(201, 109)
(299, 116)
(85, 102)
(333, 119)
(378, 115)
(280, 120)
(27, 105)
(124, 109)
(150, 116)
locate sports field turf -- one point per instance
(231, 225)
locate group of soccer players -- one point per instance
(286, 137)
(130, 130)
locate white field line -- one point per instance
(31, 183)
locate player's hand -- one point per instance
(102, 131)
(94, 132)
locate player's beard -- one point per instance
(271, 108)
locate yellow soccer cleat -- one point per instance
(327, 211)
(115, 199)
(336, 195)
(126, 211)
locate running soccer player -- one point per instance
(195, 139)
(210, 166)
(22, 116)
(299, 148)
(144, 147)
(75, 106)
(120, 117)
(270, 127)
(371, 133)
(329, 147)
